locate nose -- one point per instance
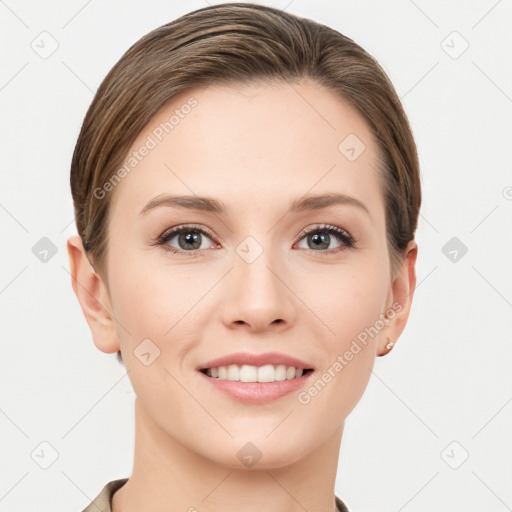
(257, 296)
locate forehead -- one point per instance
(243, 144)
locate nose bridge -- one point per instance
(257, 295)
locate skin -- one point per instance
(255, 149)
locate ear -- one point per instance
(93, 297)
(399, 300)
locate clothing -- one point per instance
(103, 502)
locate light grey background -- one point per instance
(444, 392)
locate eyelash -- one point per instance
(342, 236)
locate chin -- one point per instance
(258, 452)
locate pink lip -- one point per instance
(257, 392)
(241, 358)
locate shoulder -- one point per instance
(103, 502)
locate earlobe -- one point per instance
(402, 292)
(92, 295)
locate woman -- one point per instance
(246, 192)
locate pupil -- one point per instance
(191, 237)
(319, 240)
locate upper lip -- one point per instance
(241, 358)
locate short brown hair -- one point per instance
(239, 43)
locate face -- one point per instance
(251, 274)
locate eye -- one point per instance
(192, 239)
(321, 237)
(189, 238)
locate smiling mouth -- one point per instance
(249, 373)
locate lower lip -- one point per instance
(258, 392)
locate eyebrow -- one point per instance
(208, 204)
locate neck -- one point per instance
(168, 477)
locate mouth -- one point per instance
(250, 373)
(256, 384)
(256, 378)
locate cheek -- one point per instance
(156, 332)
(353, 312)
(336, 390)
(350, 313)
(159, 303)
(147, 297)
(347, 301)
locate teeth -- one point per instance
(248, 373)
